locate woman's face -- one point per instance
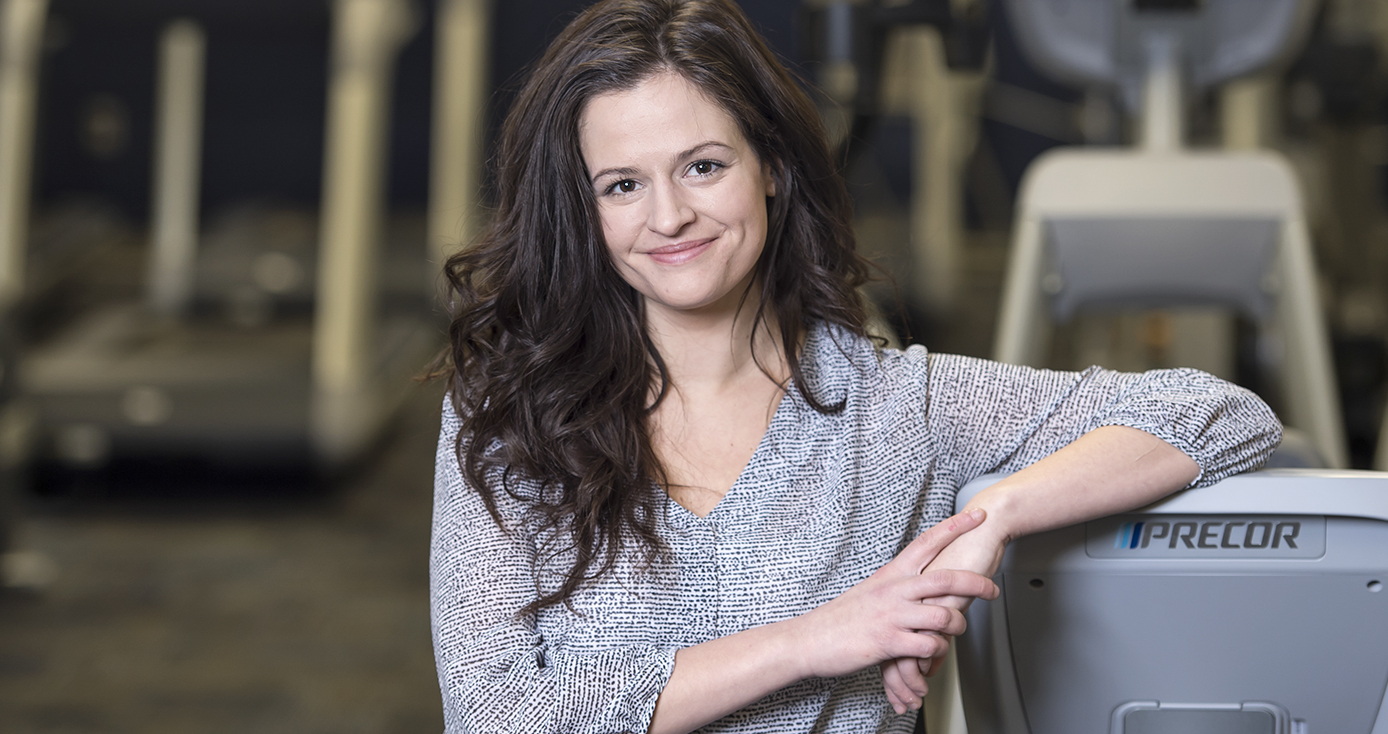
(681, 194)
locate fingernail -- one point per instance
(977, 513)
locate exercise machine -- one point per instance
(1252, 606)
(151, 378)
(923, 59)
(1162, 225)
(461, 50)
(21, 40)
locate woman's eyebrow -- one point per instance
(614, 172)
(700, 148)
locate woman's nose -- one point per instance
(669, 211)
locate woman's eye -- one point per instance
(625, 186)
(704, 168)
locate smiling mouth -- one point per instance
(680, 252)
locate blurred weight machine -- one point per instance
(1334, 127)
(1163, 225)
(21, 24)
(310, 370)
(923, 59)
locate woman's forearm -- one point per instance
(718, 677)
(1106, 471)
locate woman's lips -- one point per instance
(681, 252)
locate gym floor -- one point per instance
(303, 613)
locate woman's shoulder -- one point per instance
(836, 359)
(453, 445)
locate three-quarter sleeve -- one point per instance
(988, 417)
(497, 672)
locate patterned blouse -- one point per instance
(824, 502)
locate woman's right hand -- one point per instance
(883, 617)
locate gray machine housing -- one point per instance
(1254, 606)
(1086, 43)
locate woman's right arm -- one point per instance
(876, 620)
(498, 674)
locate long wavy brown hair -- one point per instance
(553, 374)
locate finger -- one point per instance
(935, 665)
(892, 684)
(887, 688)
(919, 644)
(928, 544)
(953, 602)
(934, 619)
(904, 696)
(950, 582)
(911, 675)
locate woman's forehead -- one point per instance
(663, 113)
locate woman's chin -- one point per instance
(687, 306)
(707, 305)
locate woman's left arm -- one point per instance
(1108, 470)
(1085, 444)
(1081, 445)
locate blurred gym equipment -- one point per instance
(1381, 456)
(923, 58)
(21, 33)
(178, 159)
(460, 103)
(1253, 606)
(1162, 225)
(21, 36)
(357, 380)
(152, 379)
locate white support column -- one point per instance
(1313, 402)
(1023, 327)
(21, 26)
(1247, 111)
(367, 35)
(944, 704)
(1381, 457)
(177, 167)
(460, 103)
(944, 108)
(1162, 104)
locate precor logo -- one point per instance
(1213, 534)
(1180, 537)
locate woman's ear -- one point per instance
(767, 174)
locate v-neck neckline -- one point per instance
(784, 413)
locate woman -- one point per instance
(677, 485)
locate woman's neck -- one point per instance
(712, 350)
